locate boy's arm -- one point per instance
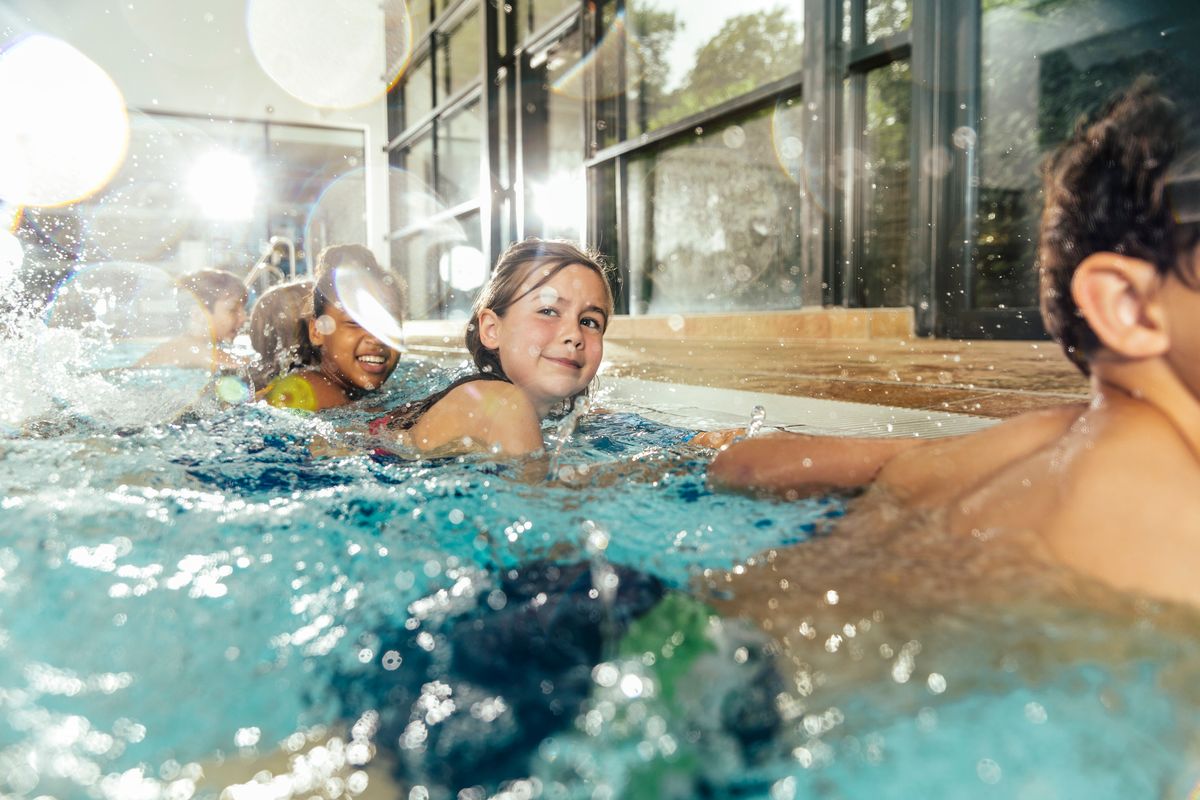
(783, 463)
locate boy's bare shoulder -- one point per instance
(945, 468)
(1120, 505)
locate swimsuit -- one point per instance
(291, 391)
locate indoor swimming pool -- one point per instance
(197, 593)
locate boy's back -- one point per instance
(1108, 490)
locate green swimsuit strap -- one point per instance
(676, 632)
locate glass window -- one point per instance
(886, 17)
(461, 56)
(445, 266)
(162, 207)
(881, 271)
(1045, 63)
(714, 221)
(504, 140)
(459, 155)
(683, 56)
(417, 162)
(418, 14)
(418, 93)
(544, 11)
(603, 69)
(554, 165)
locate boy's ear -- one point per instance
(489, 329)
(1119, 298)
(314, 336)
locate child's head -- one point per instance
(346, 351)
(223, 296)
(1113, 188)
(279, 332)
(539, 321)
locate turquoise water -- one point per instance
(178, 589)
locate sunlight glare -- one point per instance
(63, 130)
(224, 185)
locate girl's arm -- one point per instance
(481, 415)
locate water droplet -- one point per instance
(631, 686)
(606, 675)
(988, 771)
(758, 415)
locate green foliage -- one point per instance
(748, 51)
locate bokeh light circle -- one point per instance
(373, 301)
(424, 235)
(339, 216)
(63, 126)
(331, 55)
(464, 268)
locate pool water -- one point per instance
(174, 588)
(179, 589)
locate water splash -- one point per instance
(562, 435)
(605, 580)
(758, 416)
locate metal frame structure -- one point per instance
(941, 45)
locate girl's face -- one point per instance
(350, 355)
(551, 341)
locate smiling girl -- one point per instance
(346, 360)
(536, 335)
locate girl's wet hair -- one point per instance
(504, 288)
(355, 256)
(1109, 189)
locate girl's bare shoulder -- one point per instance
(481, 415)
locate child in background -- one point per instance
(345, 360)
(536, 334)
(215, 303)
